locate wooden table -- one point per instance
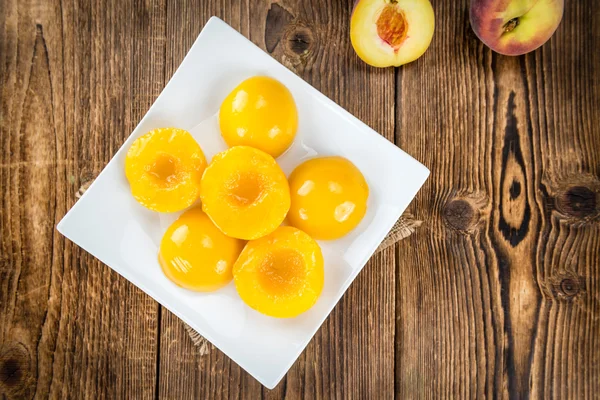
(496, 295)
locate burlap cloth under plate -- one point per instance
(403, 228)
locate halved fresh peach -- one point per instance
(391, 32)
(245, 192)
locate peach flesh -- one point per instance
(246, 189)
(163, 169)
(391, 32)
(392, 26)
(283, 272)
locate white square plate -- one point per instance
(111, 225)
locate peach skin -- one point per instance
(515, 27)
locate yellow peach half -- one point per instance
(164, 168)
(245, 193)
(328, 197)
(282, 274)
(196, 255)
(391, 32)
(260, 112)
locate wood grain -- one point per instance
(496, 295)
(501, 306)
(70, 326)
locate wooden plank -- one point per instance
(353, 353)
(69, 325)
(498, 295)
(445, 306)
(183, 372)
(564, 92)
(29, 180)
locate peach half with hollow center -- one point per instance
(282, 274)
(164, 168)
(391, 32)
(245, 193)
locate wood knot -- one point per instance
(565, 286)
(460, 215)
(577, 202)
(299, 41)
(515, 190)
(11, 372)
(569, 287)
(287, 38)
(14, 369)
